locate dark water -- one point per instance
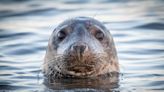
(136, 25)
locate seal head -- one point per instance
(80, 47)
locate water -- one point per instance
(137, 27)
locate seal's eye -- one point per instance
(61, 35)
(99, 35)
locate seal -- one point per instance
(80, 47)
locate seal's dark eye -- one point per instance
(61, 35)
(99, 35)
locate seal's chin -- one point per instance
(81, 70)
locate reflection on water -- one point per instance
(98, 84)
(137, 27)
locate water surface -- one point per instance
(137, 27)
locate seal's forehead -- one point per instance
(81, 20)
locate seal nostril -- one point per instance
(82, 49)
(79, 48)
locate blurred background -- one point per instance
(137, 27)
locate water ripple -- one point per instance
(36, 12)
(14, 35)
(158, 26)
(137, 27)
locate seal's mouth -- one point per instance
(81, 70)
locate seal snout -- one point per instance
(79, 48)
